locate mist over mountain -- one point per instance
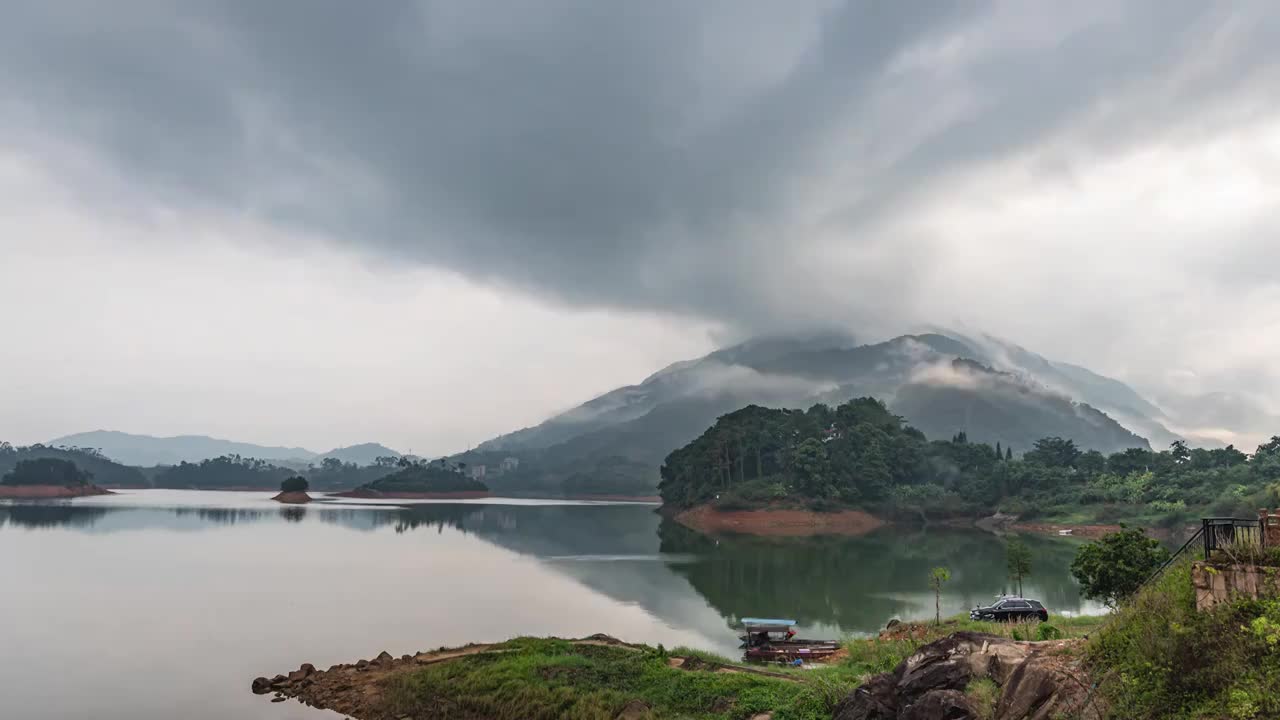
(942, 382)
(148, 450)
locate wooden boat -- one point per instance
(774, 640)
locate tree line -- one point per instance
(859, 453)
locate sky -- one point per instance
(317, 223)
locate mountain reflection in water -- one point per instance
(829, 584)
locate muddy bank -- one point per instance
(778, 522)
(366, 494)
(44, 492)
(297, 497)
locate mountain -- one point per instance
(942, 382)
(146, 450)
(362, 454)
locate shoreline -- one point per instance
(296, 497)
(778, 522)
(853, 522)
(363, 494)
(49, 492)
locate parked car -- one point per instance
(1009, 609)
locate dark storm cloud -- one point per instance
(657, 155)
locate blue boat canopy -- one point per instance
(762, 623)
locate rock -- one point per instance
(261, 686)
(279, 698)
(895, 622)
(1043, 688)
(307, 668)
(876, 699)
(361, 664)
(383, 658)
(634, 710)
(940, 705)
(279, 680)
(946, 664)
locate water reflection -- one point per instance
(630, 554)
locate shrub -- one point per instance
(297, 483)
(1045, 631)
(1161, 658)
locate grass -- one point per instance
(1160, 658)
(983, 693)
(547, 679)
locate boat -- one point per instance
(774, 640)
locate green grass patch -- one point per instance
(546, 679)
(983, 693)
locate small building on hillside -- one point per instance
(477, 472)
(510, 463)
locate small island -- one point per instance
(293, 491)
(417, 480)
(43, 478)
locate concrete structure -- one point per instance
(1270, 527)
(1222, 583)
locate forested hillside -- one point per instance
(102, 470)
(860, 453)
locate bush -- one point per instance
(1045, 631)
(297, 483)
(1161, 658)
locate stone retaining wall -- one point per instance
(1222, 583)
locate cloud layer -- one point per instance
(1096, 181)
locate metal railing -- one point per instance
(1230, 534)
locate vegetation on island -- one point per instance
(436, 476)
(103, 470)
(46, 471)
(297, 483)
(861, 454)
(227, 472)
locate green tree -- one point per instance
(1054, 452)
(937, 577)
(297, 483)
(1008, 453)
(999, 453)
(46, 471)
(1114, 567)
(1018, 558)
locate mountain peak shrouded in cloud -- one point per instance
(563, 182)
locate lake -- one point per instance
(156, 604)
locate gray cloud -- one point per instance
(758, 164)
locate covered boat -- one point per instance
(774, 640)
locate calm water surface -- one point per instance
(160, 604)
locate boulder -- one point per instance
(1045, 687)
(383, 658)
(634, 710)
(948, 665)
(261, 686)
(875, 699)
(940, 705)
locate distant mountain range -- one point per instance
(147, 450)
(942, 382)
